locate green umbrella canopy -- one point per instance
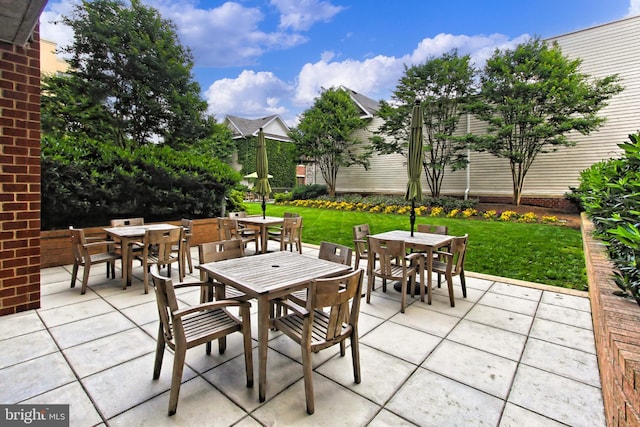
(262, 186)
(414, 158)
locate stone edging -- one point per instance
(616, 324)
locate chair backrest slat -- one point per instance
(386, 252)
(127, 221)
(336, 253)
(336, 293)
(433, 229)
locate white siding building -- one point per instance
(612, 48)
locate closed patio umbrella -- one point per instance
(262, 186)
(414, 162)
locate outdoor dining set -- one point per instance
(314, 301)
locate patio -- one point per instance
(508, 355)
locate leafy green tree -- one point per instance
(127, 60)
(326, 135)
(531, 97)
(443, 85)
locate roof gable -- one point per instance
(273, 127)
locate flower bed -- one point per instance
(424, 211)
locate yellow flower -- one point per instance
(489, 214)
(436, 211)
(550, 218)
(528, 217)
(469, 212)
(453, 213)
(507, 215)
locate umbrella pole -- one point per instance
(264, 208)
(412, 217)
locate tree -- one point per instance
(326, 135)
(443, 85)
(531, 98)
(128, 61)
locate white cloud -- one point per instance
(300, 15)
(251, 94)
(228, 35)
(634, 7)
(53, 31)
(377, 77)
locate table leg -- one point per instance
(263, 238)
(126, 268)
(429, 270)
(263, 338)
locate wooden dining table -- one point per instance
(266, 277)
(423, 242)
(127, 236)
(262, 224)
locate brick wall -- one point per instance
(20, 177)
(616, 326)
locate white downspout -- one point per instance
(466, 191)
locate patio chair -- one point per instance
(274, 232)
(328, 251)
(187, 225)
(162, 248)
(213, 252)
(388, 260)
(228, 229)
(244, 229)
(320, 324)
(85, 255)
(182, 328)
(433, 229)
(290, 235)
(360, 234)
(123, 222)
(451, 263)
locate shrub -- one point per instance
(86, 183)
(610, 194)
(282, 197)
(306, 192)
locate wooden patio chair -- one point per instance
(274, 232)
(162, 248)
(330, 252)
(388, 260)
(182, 328)
(291, 234)
(360, 234)
(433, 229)
(451, 263)
(228, 230)
(321, 323)
(187, 225)
(85, 254)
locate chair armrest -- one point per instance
(444, 254)
(290, 305)
(210, 306)
(190, 284)
(98, 243)
(414, 256)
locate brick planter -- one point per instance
(616, 324)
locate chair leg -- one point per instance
(74, 275)
(463, 284)
(355, 356)
(403, 294)
(176, 379)
(157, 366)
(146, 277)
(370, 279)
(357, 260)
(85, 278)
(248, 351)
(450, 286)
(308, 379)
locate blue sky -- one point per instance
(255, 58)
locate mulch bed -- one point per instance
(572, 219)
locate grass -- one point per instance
(542, 253)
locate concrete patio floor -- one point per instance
(507, 355)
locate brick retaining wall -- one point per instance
(616, 324)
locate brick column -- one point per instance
(20, 176)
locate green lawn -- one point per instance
(542, 253)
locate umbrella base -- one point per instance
(416, 291)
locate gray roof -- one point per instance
(368, 106)
(247, 128)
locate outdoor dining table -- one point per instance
(424, 242)
(128, 235)
(266, 277)
(263, 224)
